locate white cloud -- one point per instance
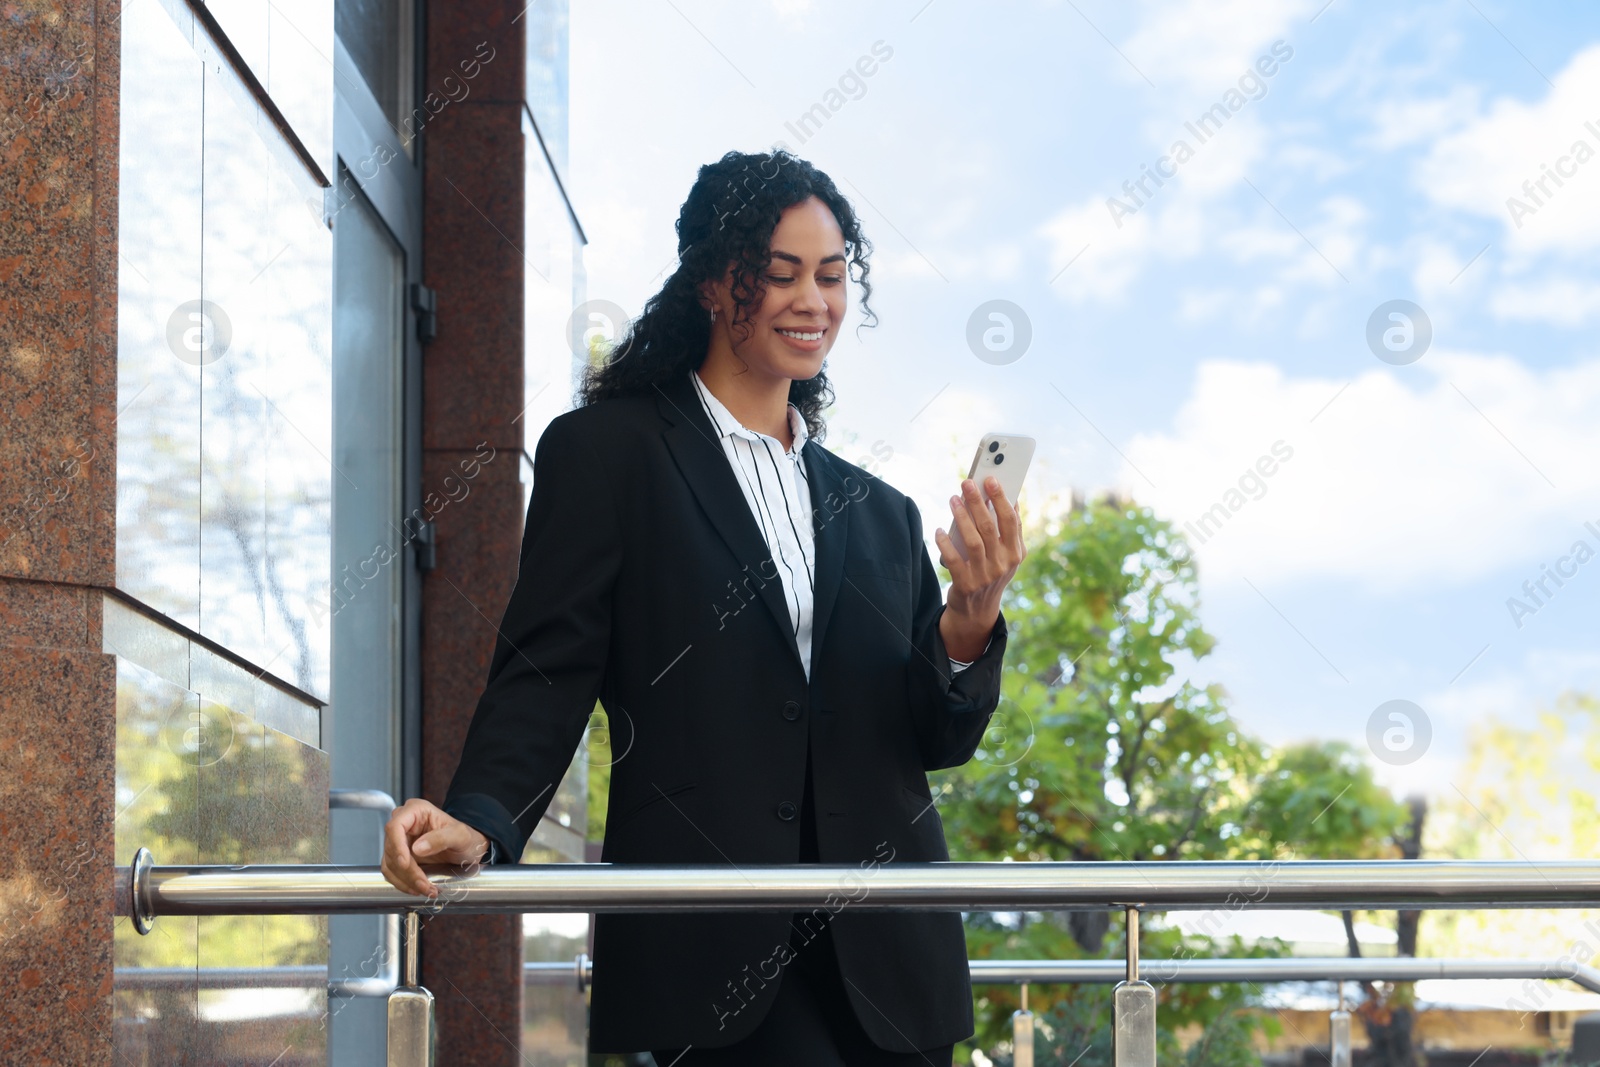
(1486, 163)
(1561, 300)
(1173, 224)
(1402, 122)
(1397, 483)
(1331, 242)
(1119, 253)
(1206, 209)
(1436, 267)
(1204, 45)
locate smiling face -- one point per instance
(791, 329)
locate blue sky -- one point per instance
(1228, 313)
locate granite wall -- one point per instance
(165, 306)
(58, 214)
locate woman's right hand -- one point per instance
(419, 830)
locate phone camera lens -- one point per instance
(999, 459)
(994, 446)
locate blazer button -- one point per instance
(791, 710)
(787, 811)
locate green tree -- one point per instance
(1104, 749)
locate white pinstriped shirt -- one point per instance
(776, 488)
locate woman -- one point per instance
(764, 626)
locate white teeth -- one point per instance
(797, 335)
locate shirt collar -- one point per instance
(725, 423)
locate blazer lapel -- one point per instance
(698, 453)
(831, 527)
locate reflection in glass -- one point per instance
(288, 47)
(244, 23)
(300, 470)
(223, 524)
(377, 35)
(547, 77)
(554, 1017)
(300, 72)
(158, 393)
(156, 804)
(198, 782)
(370, 549)
(370, 560)
(553, 287)
(266, 407)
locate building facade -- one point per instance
(287, 293)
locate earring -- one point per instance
(713, 315)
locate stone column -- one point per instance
(58, 391)
(472, 387)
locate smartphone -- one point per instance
(1006, 456)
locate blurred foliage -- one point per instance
(1526, 790)
(1533, 780)
(1046, 935)
(1103, 749)
(247, 795)
(597, 743)
(1076, 1032)
(257, 805)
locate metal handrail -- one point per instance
(580, 971)
(1284, 969)
(388, 977)
(282, 976)
(149, 891)
(362, 799)
(1161, 886)
(380, 984)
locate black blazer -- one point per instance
(644, 580)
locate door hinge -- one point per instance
(425, 302)
(422, 535)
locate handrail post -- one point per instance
(581, 964)
(1022, 1033)
(411, 1037)
(1133, 1008)
(1340, 1052)
(388, 977)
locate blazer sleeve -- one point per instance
(550, 656)
(951, 709)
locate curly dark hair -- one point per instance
(728, 218)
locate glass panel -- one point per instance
(159, 331)
(549, 243)
(373, 33)
(547, 77)
(300, 72)
(266, 408)
(224, 331)
(554, 1017)
(200, 782)
(300, 470)
(244, 23)
(370, 554)
(288, 47)
(369, 549)
(233, 594)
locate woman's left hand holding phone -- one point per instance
(419, 831)
(973, 602)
